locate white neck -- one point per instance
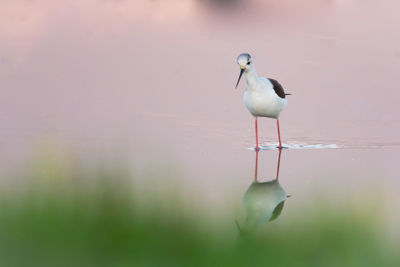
(251, 77)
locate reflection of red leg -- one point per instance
(279, 134)
(256, 135)
(279, 163)
(256, 167)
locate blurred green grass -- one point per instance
(65, 216)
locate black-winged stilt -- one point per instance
(264, 97)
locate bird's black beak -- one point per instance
(240, 76)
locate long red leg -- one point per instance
(256, 167)
(279, 134)
(256, 135)
(279, 164)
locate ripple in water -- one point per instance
(274, 146)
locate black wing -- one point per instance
(278, 88)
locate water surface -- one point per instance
(153, 83)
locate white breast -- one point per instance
(262, 101)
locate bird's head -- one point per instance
(245, 61)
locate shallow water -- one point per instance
(297, 146)
(156, 88)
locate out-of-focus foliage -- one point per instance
(100, 221)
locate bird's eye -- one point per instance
(248, 63)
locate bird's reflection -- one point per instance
(263, 201)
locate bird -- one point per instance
(264, 97)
